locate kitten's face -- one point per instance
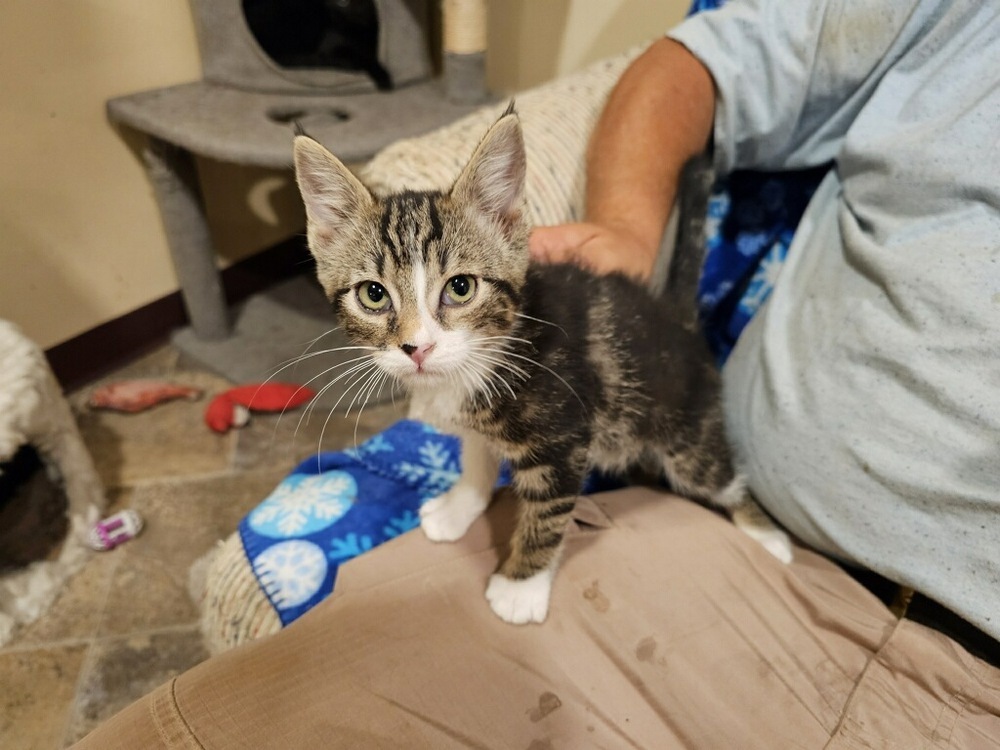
(431, 280)
(427, 287)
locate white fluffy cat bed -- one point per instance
(34, 413)
(557, 119)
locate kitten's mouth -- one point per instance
(422, 372)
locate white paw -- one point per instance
(448, 516)
(774, 541)
(519, 602)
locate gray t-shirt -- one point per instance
(864, 398)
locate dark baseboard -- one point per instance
(94, 353)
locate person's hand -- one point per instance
(599, 248)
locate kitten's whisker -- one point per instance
(368, 379)
(379, 378)
(489, 385)
(483, 373)
(500, 338)
(391, 380)
(476, 383)
(347, 390)
(303, 357)
(367, 389)
(316, 340)
(544, 322)
(460, 374)
(506, 385)
(551, 372)
(381, 385)
(496, 357)
(492, 370)
(495, 367)
(494, 375)
(501, 349)
(356, 364)
(493, 348)
(309, 345)
(293, 362)
(309, 355)
(486, 377)
(316, 377)
(307, 414)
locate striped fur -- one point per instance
(551, 368)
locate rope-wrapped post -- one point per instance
(464, 50)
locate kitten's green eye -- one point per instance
(373, 295)
(459, 290)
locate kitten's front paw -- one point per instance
(447, 517)
(520, 602)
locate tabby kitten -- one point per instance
(550, 367)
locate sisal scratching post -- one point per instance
(234, 608)
(465, 50)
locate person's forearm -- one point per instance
(658, 116)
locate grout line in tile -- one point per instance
(147, 482)
(103, 639)
(90, 662)
(89, 658)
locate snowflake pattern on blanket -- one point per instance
(335, 506)
(304, 504)
(291, 573)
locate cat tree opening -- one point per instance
(313, 46)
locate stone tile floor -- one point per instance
(126, 622)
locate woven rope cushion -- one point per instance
(557, 119)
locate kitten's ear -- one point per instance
(332, 195)
(493, 180)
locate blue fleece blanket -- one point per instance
(334, 506)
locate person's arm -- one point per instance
(657, 117)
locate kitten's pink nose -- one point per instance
(417, 353)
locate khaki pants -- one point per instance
(668, 628)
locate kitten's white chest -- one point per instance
(440, 406)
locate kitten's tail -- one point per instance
(678, 266)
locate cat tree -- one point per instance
(244, 108)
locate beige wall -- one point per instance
(80, 239)
(532, 41)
